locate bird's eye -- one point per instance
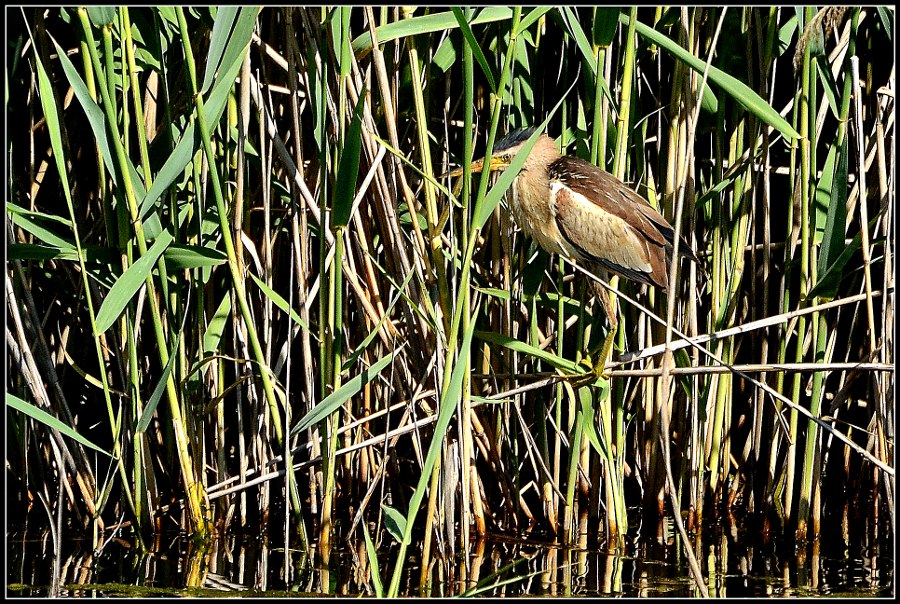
(507, 157)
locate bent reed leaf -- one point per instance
(50, 421)
(129, 283)
(333, 401)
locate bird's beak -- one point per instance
(478, 166)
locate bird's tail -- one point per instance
(685, 251)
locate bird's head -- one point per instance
(505, 149)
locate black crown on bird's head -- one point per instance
(513, 138)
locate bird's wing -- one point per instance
(612, 195)
(599, 186)
(605, 238)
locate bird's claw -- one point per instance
(595, 371)
(599, 369)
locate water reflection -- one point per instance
(735, 562)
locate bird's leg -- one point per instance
(609, 306)
(600, 362)
(603, 357)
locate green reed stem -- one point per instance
(237, 278)
(193, 489)
(465, 284)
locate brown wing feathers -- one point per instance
(654, 244)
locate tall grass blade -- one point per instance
(372, 555)
(279, 301)
(348, 169)
(92, 110)
(606, 21)
(739, 91)
(476, 49)
(129, 283)
(532, 351)
(533, 16)
(394, 522)
(423, 25)
(581, 40)
(181, 257)
(43, 235)
(828, 280)
(45, 418)
(216, 326)
(156, 396)
(222, 25)
(172, 169)
(102, 16)
(446, 408)
(351, 388)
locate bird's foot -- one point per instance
(594, 371)
(599, 368)
(599, 364)
(595, 364)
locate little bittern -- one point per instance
(572, 207)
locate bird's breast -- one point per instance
(532, 209)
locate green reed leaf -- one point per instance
(828, 279)
(394, 522)
(333, 401)
(469, 37)
(93, 112)
(348, 169)
(130, 282)
(216, 326)
(43, 235)
(606, 21)
(279, 301)
(157, 394)
(533, 16)
(739, 91)
(424, 25)
(102, 15)
(532, 351)
(50, 421)
(224, 21)
(372, 555)
(585, 397)
(180, 257)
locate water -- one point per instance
(736, 561)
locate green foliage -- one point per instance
(38, 414)
(348, 170)
(351, 388)
(128, 284)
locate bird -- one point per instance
(571, 207)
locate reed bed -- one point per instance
(242, 296)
